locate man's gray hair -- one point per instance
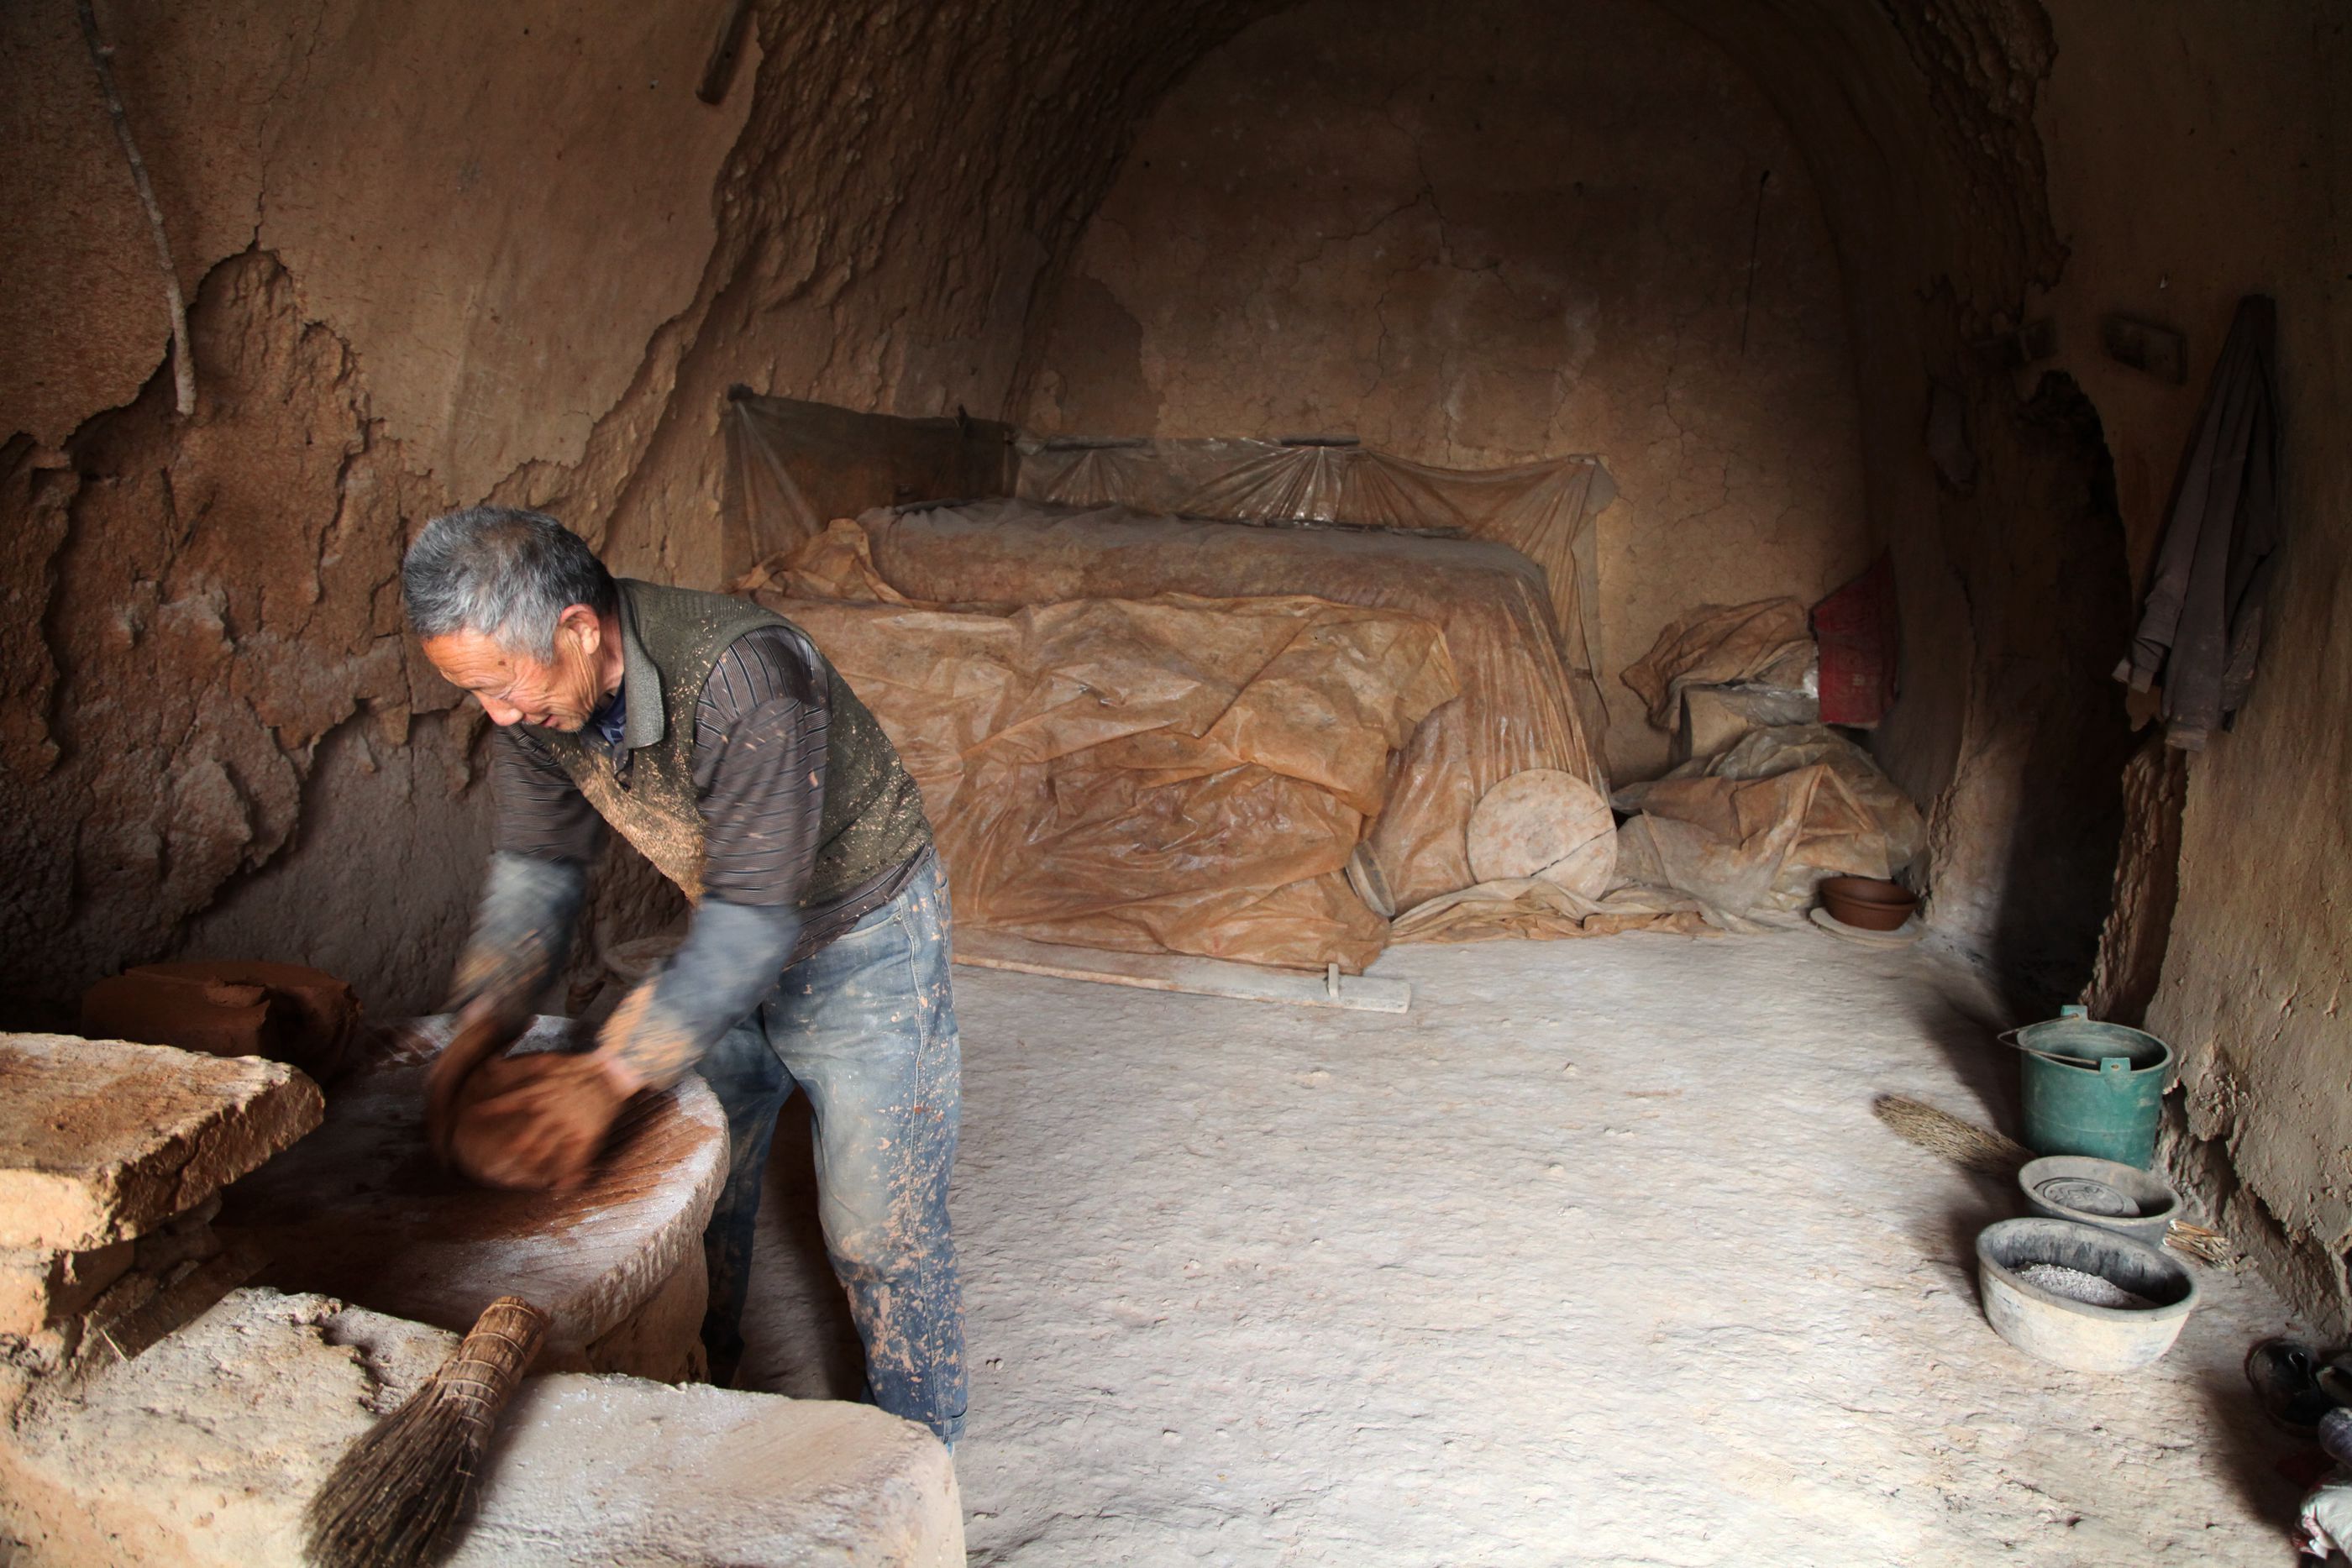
(506, 573)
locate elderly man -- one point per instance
(714, 736)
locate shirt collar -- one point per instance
(642, 722)
(610, 721)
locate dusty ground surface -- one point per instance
(1596, 1257)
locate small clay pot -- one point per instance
(1866, 902)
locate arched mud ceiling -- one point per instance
(1479, 232)
(906, 180)
(1916, 121)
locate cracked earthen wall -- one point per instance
(462, 251)
(1482, 233)
(2197, 154)
(439, 253)
(1994, 162)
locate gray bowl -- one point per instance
(2067, 1186)
(2077, 1335)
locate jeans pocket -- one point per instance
(880, 917)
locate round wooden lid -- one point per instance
(1541, 821)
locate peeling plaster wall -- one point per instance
(495, 205)
(214, 611)
(438, 254)
(2199, 153)
(1478, 234)
(420, 252)
(503, 252)
(1987, 163)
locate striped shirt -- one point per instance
(759, 732)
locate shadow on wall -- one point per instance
(2058, 686)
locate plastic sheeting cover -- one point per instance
(1534, 908)
(1767, 643)
(1514, 711)
(1748, 833)
(1169, 773)
(791, 464)
(1544, 510)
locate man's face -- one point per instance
(556, 693)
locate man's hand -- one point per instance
(538, 1122)
(484, 1030)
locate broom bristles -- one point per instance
(1961, 1142)
(395, 1497)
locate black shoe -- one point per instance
(2286, 1384)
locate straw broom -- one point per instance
(1981, 1149)
(1941, 1132)
(393, 1499)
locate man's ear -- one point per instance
(583, 623)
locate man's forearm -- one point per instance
(523, 932)
(730, 960)
(760, 728)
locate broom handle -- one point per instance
(489, 1366)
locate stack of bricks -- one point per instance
(112, 1157)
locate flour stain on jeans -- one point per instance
(866, 1026)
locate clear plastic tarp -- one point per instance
(1544, 510)
(1160, 700)
(1749, 832)
(1489, 601)
(1766, 644)
(1171, 773)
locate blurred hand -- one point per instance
(538, 1122)
(483, 1031)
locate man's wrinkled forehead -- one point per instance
(470, 660)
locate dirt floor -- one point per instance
(1598, 1256)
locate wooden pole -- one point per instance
(183, 363)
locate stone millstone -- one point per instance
(206, 1449)
(362, 1211)
(102, 1140)
(580, 1477)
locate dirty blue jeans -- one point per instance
(867, 1026)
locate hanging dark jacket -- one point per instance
(2201, 626)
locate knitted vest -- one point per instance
(873, 813)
